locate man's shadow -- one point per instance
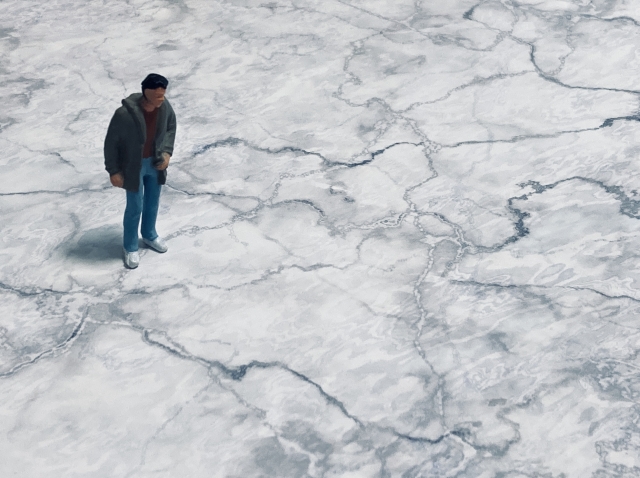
(103, 244)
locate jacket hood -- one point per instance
(132, 104)
(132, 101)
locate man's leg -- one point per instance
(132, 220)
(151, 200)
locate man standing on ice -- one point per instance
(137, 150)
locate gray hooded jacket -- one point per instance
(126, 136)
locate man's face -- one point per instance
(155, 97)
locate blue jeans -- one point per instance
(144, 202)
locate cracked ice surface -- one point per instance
(402, 240)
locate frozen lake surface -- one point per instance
(403, 241)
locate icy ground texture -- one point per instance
(403, 241)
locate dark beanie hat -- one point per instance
(153, 81)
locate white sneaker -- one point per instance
(158, 244)
(131, 259)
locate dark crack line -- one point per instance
(602, 294)
(243, 215)
(304, 202)
(610, 121)
(552, 79)
(239, 372)
(628, 207)
(68, 192)
(30, 293)
(429, 441)
(468, 15)
(538, 71)
(74, 334)
(609, 20)
(214, 194)
(380, 17)
(515, 139)
(552, 288)
(477, 81)
(520, 231)
(232, 141)
(271, 202)
(544, 287)
(271, 273)
(386, 148)
(532, 51)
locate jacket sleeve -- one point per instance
(111, 147)
(170, 135)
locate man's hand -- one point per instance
(117, 180)
(163, 165)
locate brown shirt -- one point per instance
(150, 120)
